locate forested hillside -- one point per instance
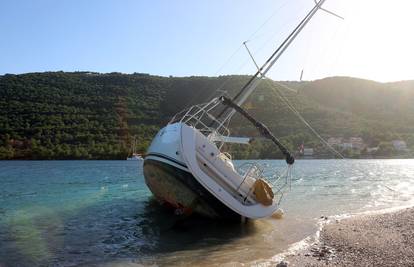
(83, 115)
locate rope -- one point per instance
(294, 110)
(270, 40)
(264, 131)
(221, 86)
(268, 19)
(228, 60)
(251, 37)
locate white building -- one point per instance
(346, 145)
(335, 141)
(357, 142)
(399, 145)
(308, 151)
(372, 149)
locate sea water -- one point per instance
(100, 213)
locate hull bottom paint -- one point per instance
(179, 189)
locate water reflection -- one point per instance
(102, 232)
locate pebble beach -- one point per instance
(366, 240)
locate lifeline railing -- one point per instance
(256, 171)
(201, 117)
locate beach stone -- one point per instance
(282, 264)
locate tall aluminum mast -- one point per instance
(251, 85)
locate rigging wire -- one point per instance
(270, 39)
(275, 89)
(296, 112)
(247, 89)
(221, 86)
(305, 63)
(228, 60)
(346, 32)
(324, 52)
(277, 10)
(266, 42)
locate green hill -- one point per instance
(83, 115)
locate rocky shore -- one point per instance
(369, 240)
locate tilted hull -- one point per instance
(179, 190)
(171, 182)
(187, 172)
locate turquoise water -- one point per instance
(100, 213)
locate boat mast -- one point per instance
(251, 85)
(134, 146)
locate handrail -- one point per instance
(256, 171)
(200, 117)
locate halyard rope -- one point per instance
(296, 112)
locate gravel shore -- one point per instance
(369, 240)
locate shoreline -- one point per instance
(122, 159)
(383, 238)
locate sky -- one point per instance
(187, 37)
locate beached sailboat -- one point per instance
(186, 168)
(134, 155)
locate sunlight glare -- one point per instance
(378, 42)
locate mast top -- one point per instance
(255, 80)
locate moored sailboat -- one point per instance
(134, 155)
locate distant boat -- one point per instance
(134, 155)
(187, 169)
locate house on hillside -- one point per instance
(399, 145)
(308, 152)
(346, 145)
(335, 141)
(371, 150)
(357, 143)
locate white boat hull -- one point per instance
(180, 175)
(171, 182)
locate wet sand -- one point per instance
(367, 240)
